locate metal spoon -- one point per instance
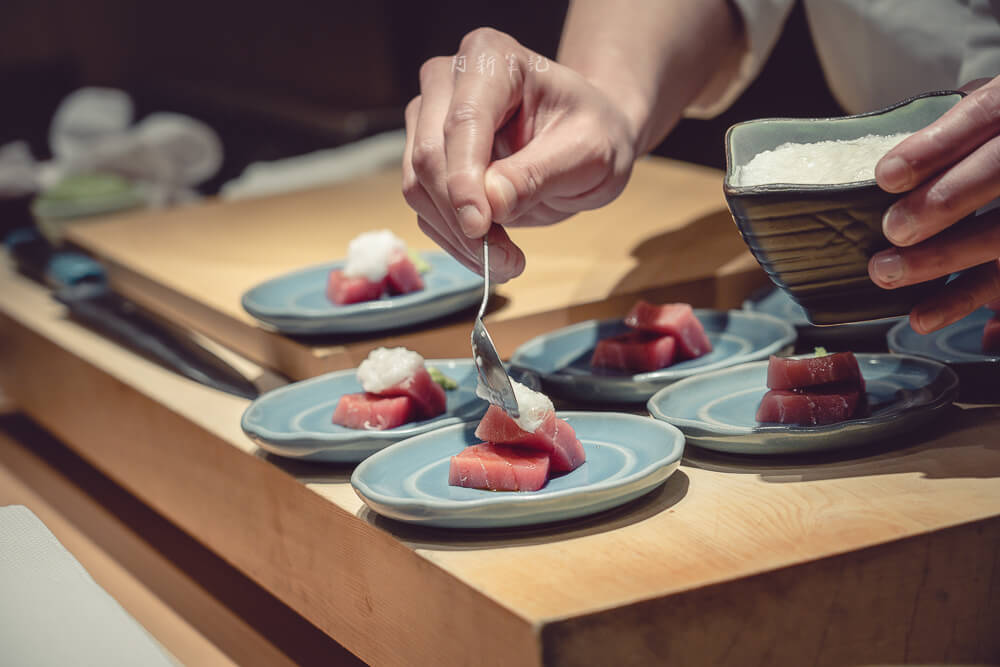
(493, 378)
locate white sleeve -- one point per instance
(981, 56)
(762, 24)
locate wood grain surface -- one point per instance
(879, 555)
(669, 237)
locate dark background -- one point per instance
(290, 77)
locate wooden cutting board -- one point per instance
(669, 236)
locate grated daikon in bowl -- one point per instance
(819, 163)
(369, 254)
(387, 367)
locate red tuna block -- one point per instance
(554, 436)
(785, 373)
(673, 319)
(636, 351)
(825, 405)
(499, 468)
(991, 336)
(403, 276)
(343, 290)
(429, 399)
(373, 412)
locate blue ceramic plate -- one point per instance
(716, 410)
(961, 342)
(627, 456)
(960, 345)
(296, 303)
(296, 420)
(776, 302)
(561, 358)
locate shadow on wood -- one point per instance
(662, 499)
(948, 448)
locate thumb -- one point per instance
(503, 195)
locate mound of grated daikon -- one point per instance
(387, 367)
(820, 163)
(533, 406)
(369, 254)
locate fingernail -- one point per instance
(501, 188)
(893, 173)
(888, 266)
(898, 225)
(930, 320)
(471, 220)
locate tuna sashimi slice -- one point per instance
(991, 336)
(373, 412)
(785, 373)
(342, 289)
(554, 436)
(429, 399)
(499, 468)
(674, 319)
(402, 276)
(636, 351)
(824, 405)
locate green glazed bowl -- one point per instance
(815, 240)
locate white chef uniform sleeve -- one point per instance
(981, 56)
(763, 21)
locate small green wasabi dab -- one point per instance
(446, 382)
(419, 262)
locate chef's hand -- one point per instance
(949, 170)
(500, 134)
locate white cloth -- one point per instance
(875, 52)
(92, 130)
(320, 168)
(53, 613)
(18, 170)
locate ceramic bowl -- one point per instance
(815, 240)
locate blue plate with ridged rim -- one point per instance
(961, 342)
(778, 303)
(296, 303)
(960, 345)
(627, 456)
(561, 358)
(717, 410)
(296, 420)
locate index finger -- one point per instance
(958, 132)
(486, 93)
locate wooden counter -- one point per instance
(669, 236)
(821, 561)
(201, 610)
(882, 555)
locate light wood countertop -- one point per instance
(881, 555)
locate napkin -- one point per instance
(92, 131)
(18, 170)
(324, 167)
(53, 613)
